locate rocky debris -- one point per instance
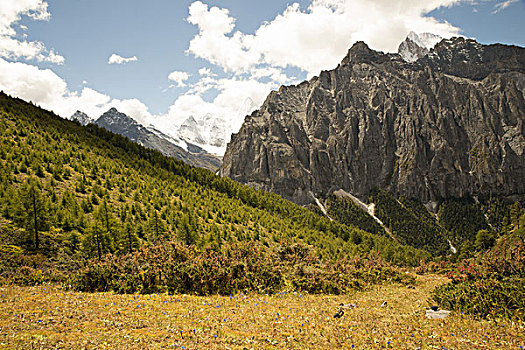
(437, 315)
(450, 124)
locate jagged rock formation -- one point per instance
(150, 137)
(82, 118)
(450, 124)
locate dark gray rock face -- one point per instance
(448, 125)
(120, 123)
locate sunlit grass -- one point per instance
(49, 317)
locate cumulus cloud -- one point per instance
(214, 42)
(308, 39)
(46, 89)
(313, 39)
(205, 71)
(231, 95)
(41, 86)
(117, 59)
(13, 48)
(179, 77)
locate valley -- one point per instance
(47, 317)
(391, 184)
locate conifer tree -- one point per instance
(34, 213)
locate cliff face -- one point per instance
(447, 125)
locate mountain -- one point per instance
(449, 125)
(82, 118)
(189, 130)
(212, 132)
(247, 108)
(150, 137)
(417, 46)
(207, 131)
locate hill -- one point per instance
(71, 193)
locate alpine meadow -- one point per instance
(210, 174)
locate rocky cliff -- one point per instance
(450, 124)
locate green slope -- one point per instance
(410, 223)
(96, 192)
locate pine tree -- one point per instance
(34, 213)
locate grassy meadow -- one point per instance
(49, 317)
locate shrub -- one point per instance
(238, 267)
(485, 297)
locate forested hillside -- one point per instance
(70, 193)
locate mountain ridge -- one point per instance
(150, 137)
(450, 124)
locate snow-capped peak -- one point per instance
(416, 46)
(426, 40)
(82, 118)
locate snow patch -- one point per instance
(369, 208)
(452, 248)
(320, 205)
(425, 40)
(416, 46)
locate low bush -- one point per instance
(485, 297)
(239, 267)
(490, 285)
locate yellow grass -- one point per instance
(48, 317)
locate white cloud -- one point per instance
(319, 37)
(313, 39)
(232, 94)
(46, 89)
(214, 44)
(503, 5)
(179, 77)
(12, 11)
(31, 83)
(117, 59)
(214, 20)
(11, 47)
(205, 71)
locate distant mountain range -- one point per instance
(150, 137)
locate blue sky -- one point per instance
(223, 52)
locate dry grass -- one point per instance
(49, 317)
